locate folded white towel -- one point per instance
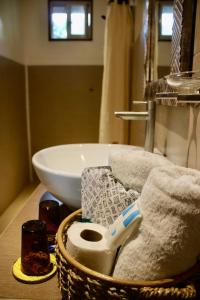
(103, 197)
(132, 167)
(167, 242)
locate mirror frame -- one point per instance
(183, 35)
(182, 38)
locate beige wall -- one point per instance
(137, 128)
(164, 53)
(178, 128)
(24, 36)
(40, 51)
(13, 151)
(11, 34)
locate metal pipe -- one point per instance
(148, 116)
(150, 128)
(132, 115)
(139, 102)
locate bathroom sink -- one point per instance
(59, 168)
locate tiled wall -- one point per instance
(178, 128)
(13, 150)
(64, 104)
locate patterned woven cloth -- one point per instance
(103, 197)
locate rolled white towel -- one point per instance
(132, 167)
(167, 242)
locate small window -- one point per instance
(70, 20)
(165, 20)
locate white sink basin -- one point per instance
(59, 168)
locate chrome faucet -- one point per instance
(148, 116)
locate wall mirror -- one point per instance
(172, 52)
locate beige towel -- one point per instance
(132, 167)
(167, 242)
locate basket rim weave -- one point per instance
(99, 276)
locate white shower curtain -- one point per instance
(116, 76)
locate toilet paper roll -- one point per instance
(124, 226)
(88, 244)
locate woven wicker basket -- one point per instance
(79, 282)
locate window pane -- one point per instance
(167, 20)
(78, 20)
(59, 22)
(89, 19)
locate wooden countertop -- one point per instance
(10, 248)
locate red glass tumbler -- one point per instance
(49, 212)
(35, 257)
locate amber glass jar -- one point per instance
(50, 213)
(35, 257)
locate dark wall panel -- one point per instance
(64, 104)
(13, 150)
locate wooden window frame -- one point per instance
(89, 29)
